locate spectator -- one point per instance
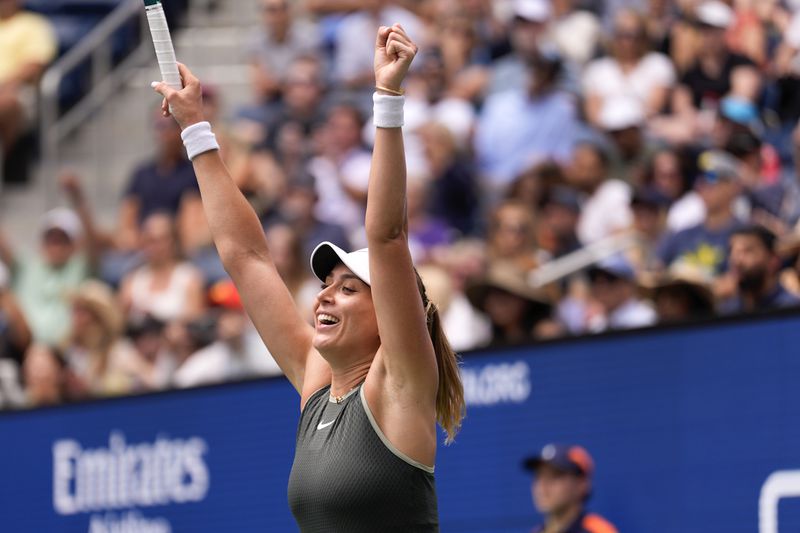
(298, 210)
(94, 349)
(614, 289)
(27, 44)
(165, 286)
(44, 373)
(561, 487)
(235, 351)
(575, 30)
(523, 126)
(41, 282)
(156, 363)
(528, 30)
(280, 40)
(465, 327)
(605, 208)
(683, 294)
(164, 184)
(15, 335)
(286, 250)
(667, 175)
(512, 234)
(454, 195)
(706, 244)
(623, 120)
(353, 67)
(649, 210)
(558, 222)
(631, 71)
(341, 170)
(425, 231)
(515, 310)
(713, 74)
(752, 279)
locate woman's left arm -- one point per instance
(407, 352)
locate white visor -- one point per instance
(327, 255)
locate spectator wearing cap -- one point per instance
(515, 310)
(42, 282)
(27, 44)
(706, 244)
(519, 127)
(528, 27)
(614, 290)
(622, 119)
(605, 204)
(562, 485)
(711, 77)
(753, 275)
(631, 71)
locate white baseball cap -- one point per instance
(327, 255)
(715, 13)
(63, 219)
(620, 113)
(532, 10)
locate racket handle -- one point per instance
(162, 42)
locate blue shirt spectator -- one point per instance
(516, 129)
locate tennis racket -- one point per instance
(162, 42)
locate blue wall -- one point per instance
(685, 426)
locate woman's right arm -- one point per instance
(242, 247)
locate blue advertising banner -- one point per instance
(692, 430)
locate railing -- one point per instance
(105, 78)
(569, 264)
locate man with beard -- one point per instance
(753, 274)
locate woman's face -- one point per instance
(628, 37)
(344, 315)
(82, 317)
(157, 239)
(512, 231)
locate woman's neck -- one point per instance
(346, 378)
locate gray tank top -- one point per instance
(347, 477)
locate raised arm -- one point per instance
(407, 351)
(241, 245)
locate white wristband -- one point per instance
(388, 110)
(198, 138)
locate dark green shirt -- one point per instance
(347, 477)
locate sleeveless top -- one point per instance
(167, 304)
(347, 477)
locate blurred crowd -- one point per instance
(575, 166)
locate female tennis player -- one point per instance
(375, 372)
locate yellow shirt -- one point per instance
(25, 38)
